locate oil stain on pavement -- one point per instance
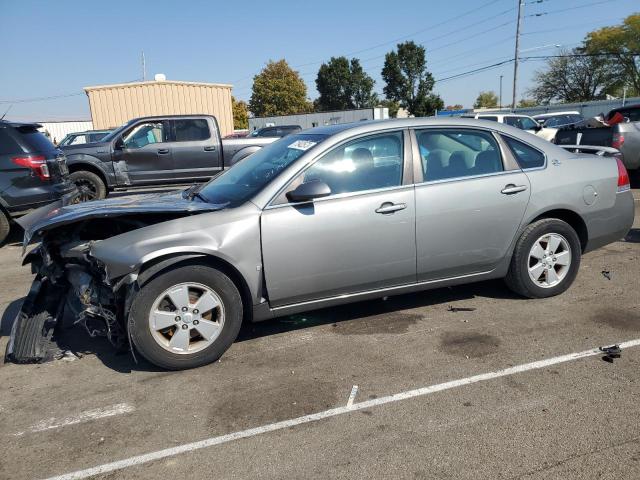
(468, 345)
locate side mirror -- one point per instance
(538, 127)
(307, 191)
(119, 144)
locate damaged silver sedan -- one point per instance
(328, 216)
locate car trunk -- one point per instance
(602, 136)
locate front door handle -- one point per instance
(163, 151)
(210, 149)
(388, 207)
(511, 189)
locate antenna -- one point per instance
(144, 68)
(7, 111)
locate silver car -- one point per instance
(323, 217)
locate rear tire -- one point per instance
(90, 186)
(5, 226)
(158, 315)
(546, 259)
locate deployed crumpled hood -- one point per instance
(58, 214)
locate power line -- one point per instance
(41, 99)
(571, 8)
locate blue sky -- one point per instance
(53, 48)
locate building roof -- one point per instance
(154, 82)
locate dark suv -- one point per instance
(277, 132)
(33, 172)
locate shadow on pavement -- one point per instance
(633, 236)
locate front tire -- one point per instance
(90, 186)
(5, 226)
(546, 259)
(186, 317)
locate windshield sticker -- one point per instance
(302, 145)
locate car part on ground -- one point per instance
(325, 217)
(33, 172)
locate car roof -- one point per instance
(6, 123)
(380, 125)
(553, 114)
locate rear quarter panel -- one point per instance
(584, 184)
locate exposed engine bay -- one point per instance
(71, 286)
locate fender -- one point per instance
(107, 168)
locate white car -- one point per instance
(558, 119)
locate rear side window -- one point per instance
(526, 156)
(191, 130)
(493, 119)
(454, 153)
(32, 140)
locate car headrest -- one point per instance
(487, 162)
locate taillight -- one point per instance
(618, 141)
(37, 163)
(623, 177)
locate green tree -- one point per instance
(240, 114)
(621, 44)
(486, 100)
(344, 85)
(408, 81)
(392, 105)
(278, 90)
(527, 103)
(573, 77)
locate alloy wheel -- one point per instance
(186, 318)
(549, 260)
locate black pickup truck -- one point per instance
(155, 151)
(624, 136)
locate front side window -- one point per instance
(455, 153)
(365, 164)
(513, 121)
(526, 156)
(191, 130)
(527, 123)
(145, 134)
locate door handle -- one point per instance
(388, 207)
(210, 149)
(163, 151)
(511, 189)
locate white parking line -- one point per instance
(252, 432)
(352, 396)
(51, 423)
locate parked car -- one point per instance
(558, 119)
(624, 136)
(277, 131)
(33, 172)
(155, 151)
(332, 215)
(237, 134)
(79, 138)
(523, 122)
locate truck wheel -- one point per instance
(186, 317)
(90, 186)
(5, 227)
(546, 259)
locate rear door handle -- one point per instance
(163, 151)
(388, 207)
(511, 189)
(210, 149)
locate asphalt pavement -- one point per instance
(511, 388)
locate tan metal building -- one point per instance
(113, 105)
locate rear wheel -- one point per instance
(5, 226)
(546, 259)
(90, 186)
(186, 317)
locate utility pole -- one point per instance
(500, 104)
(144, 68)
(517, 54)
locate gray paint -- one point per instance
(336, 250)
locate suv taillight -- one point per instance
(623, 177)
(37, 163)
(617, 141)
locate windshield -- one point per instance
(247, 177)
(116, 132)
